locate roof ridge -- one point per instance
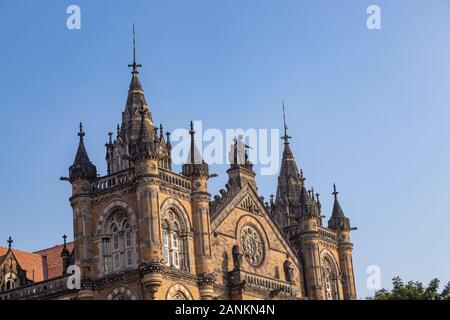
(55, 246)
(18, 250)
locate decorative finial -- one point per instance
(135, 65)
(65, 239)
(142, 111)
(312, 193)
(10, 241)
(335, 192)
(286, 137)
(168, 136)
(317, 197)
(110, 134)
(118, 131)
(302, 178)
(81, 134)
(161, 131)
(192, 132)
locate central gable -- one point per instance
(244, 223)
(247, 202)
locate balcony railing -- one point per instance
(172, 178)
(39, 290)
(127, 176)
(328, 234)
(261, 282)
(113, 180)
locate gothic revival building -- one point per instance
(143, 231)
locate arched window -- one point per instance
(10, 284)
(175, 248)
(329, 279)
(174, 243)
(118, 243)
(115, 247)
(166, 246)
(128, 245)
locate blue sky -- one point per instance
(366, 109)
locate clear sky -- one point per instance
(368, 110)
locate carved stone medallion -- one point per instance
(252, 245)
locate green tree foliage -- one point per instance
(413, 291)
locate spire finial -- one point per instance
(110, 134)
(142, 111)
(286, 137)
(135, 65)
(302, 178)
(168, 139)
(10, 241)
(192, 132)
(65, 239)
(335, 192)
(118, 131)
(81, 134)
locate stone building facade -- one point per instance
(143, 231)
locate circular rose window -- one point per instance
(252, 245)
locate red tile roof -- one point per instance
(54, 260)
(32, 262)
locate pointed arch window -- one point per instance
(329, 279)
(175, 248)
(118, 244)
(10, 284)
(166, 246)
(174, 243)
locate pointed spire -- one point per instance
(135, 65)
(193, 151)
(338, 218)
(169, 144)
(337, 210)
(286, 137)
(195, 166)
(135, 84)
(145, 140)
(65, 251)
(81, 156)
(131, 119)
(82, 167)
(65, 255)
(287, 153)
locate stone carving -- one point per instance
(288, 271)
(121, 293)
(178, 296)
(252, 245)
(237, 257)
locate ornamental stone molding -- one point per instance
(179, 292)
(111, 209)
(121, 293)
(252, 244)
